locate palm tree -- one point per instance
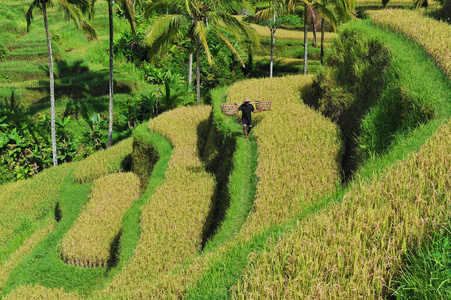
(200, 17)
(271, 13)
(128, 7)
(343, 11)
(73, 10)
(312, 8)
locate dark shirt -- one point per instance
(246, 110)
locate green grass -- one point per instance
(44, 264)
(427, 273)
(242, 181)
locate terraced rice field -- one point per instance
(298, 151)
(172, 223)
(422, 30)
(355, 248)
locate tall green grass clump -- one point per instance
(427, 270)
(371, 89)
(112, 160)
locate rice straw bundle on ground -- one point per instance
(89, 241)
(432, 35)
(104, 162)
(173, 222)
(355, 249)
(298, 151)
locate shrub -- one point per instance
(144, 155)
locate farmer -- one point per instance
(246, 117)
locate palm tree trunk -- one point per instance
(52, 86)
(190, 71)
(273, 42)
(273, 38)
(305, 38)
(322, 41)
(110, 86)
(198, 74)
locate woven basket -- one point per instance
(229, 109)
(263, 105)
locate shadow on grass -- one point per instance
(75, 82)
(216, 152)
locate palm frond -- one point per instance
(235, 27)
(324, 11)
(160, 7)
(229, 45)
(129, 12)
(83, 5)
(89, 29)
(200, 33)
(264, 14)
(162, 26)
(162, 32)
(70, 12)
(91, 10)
(29, 14)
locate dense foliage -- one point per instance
(25, 146)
